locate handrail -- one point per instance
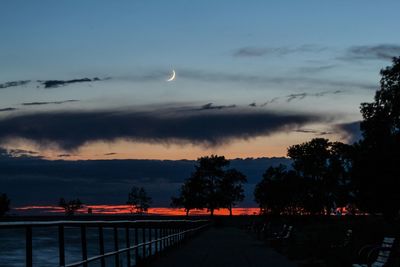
(149, 243)
(161, 234)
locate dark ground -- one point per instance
(315, 241)
(223, 247)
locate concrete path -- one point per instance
(222, 247)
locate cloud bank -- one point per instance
(7, 109)
(13, 83)
(70, 130)
(350, 131)
(58, 83)
(254, 51)
(381, 51)
(48, 103)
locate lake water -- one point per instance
(45, 246)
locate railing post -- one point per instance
(136, 243)
(164, 241)
(84, 244)
(101, 246)
(150, 239)
(143, 241)
(116, 247)
(28, 248)
(128, 244)
(169, 236)
(61, 245)
(156, 237)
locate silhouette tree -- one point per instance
(4, 204)
(71, 206)
(211, 171)
(280, 191)
(310, 161)
(376, 171)
(339, 179)
(192, 194)
(268, 192)
(211, 186)
(231, 188)
(139, 200)
(325, 167)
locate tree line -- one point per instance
(211, 186)
(363, 176)
(324, 175)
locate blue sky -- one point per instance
(286, 57)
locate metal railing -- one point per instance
(157, 235)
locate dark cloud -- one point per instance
(70, 130)
(350, 131)
(301, 96)
(252, 51)
(13, 83)
(381, 51)
(314, 69)
(18, 154)
(316, 132)
(110, 154)
(273, 100)
(58, 83)
(298, 96)
(253, 105)
(64, 155)
(7, 109)
(210, 106)
(48, 103)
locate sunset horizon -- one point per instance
(199, 133)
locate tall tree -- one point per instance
(4, 204)
(376, 169)
(212, 170)
(211, 186)
(339, 179)
(231, 188)
(70, 207)
(279, 191)
(268, 192)
(192, 194)
(310, 161)
(326, 167)
(139, 200)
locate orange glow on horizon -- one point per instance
(268, 146)
(126, 210)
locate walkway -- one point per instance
(223, 247)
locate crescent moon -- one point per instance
(172, 77)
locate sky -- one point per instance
(88, 79)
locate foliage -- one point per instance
(211, 186)
(376, 171)
(277, 192)
(325, 167)
(191, 195)
(139, 200)
(71, 206)
(319, 181)
(231, 189)
(4, 204)
(211, 171)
